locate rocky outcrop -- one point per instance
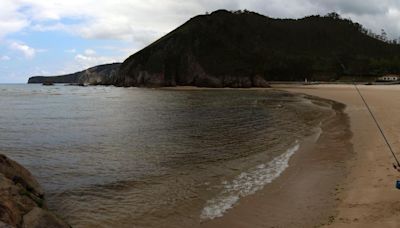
(98, 75)
(22, 202)
(38, 217)
(187, 72)
(246, 49)
(18, 174)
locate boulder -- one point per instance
(4, 225)
(22, 202)
(18, 174)
(39, 218)
(15, 201)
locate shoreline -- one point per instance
(363, 194)
(305, 192)
(369, 197)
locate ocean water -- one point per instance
(134, 157)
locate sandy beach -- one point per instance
(369, 197)
(346, 179)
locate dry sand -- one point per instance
(334, 183)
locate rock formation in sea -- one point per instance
(22, 202)
(98, 75)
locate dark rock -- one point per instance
(22, 199)
(39, 218)
(48, 83)
(98, 75)
(14, 202)
(4, 225)
(259, 81)
(14, 171)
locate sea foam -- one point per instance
(247, 183)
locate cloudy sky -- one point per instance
(48, 37)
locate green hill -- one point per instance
(244, 49)
(239, 49)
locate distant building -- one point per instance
(389, 78)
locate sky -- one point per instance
(52, 37)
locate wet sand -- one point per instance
(305, 195)
(346, 179)
(369, 197)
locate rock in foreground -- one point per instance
(22, 202)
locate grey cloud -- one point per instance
(357, 7)
(142, 21)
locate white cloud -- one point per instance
(27, 51)
(130, 20)
(90, 52)
(39, 71)
(5, 58)
(52, 27)
(89, 59)
(141, 22)
(11, 20)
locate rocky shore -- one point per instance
(22, 201)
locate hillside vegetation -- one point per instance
(243, 49)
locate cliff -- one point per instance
(22, 202)
(246, 49)
(243, 49)
(102, 74)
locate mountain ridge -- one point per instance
(247, 49)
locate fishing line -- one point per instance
(379, 127)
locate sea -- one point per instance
(140, 157)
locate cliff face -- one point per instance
(102, 74)
(181, 70)
(196, 54)
(246, 49)
(243, 49)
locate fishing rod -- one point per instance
(380, 129)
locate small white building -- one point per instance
(389, 78)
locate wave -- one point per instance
(247, 183)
